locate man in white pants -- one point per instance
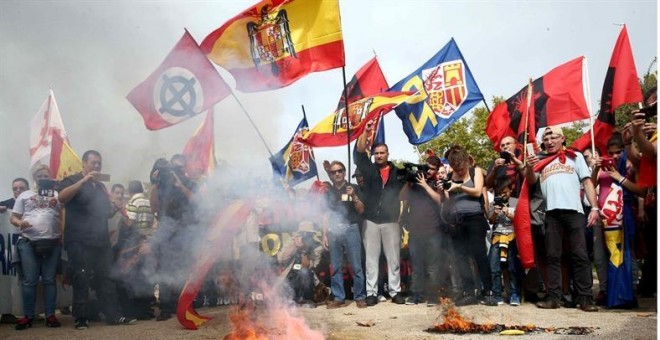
(382, 184)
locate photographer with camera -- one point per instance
(170, 200)
(503, 253)
(506, 166)
(341, 234)
(301, 254)
(38, 215)
(421, 217)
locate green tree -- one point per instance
(646, 82)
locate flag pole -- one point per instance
(251, 121)
(585, 69)
(310, 148)
(529, 103)
(348, 123)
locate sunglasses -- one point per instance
(334, 172)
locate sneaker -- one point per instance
(163, 316)
(398, 299)
(489, 299)
(413, 300)
(81, 324)
(548, 304)
(382, 298)
(336, 304)
(123, 320)
(432, 302)
(52, 321)
(466, 300)
(361, 304)
(23, 323)
(514, 300)
(371, 300)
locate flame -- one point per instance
(271, 320)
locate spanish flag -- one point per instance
(276, 42)
(332, 130)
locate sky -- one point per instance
(92, 53)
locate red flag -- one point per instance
(276, 42)
(185, 84)
(200, 149)
(226, 225)
(557, 98)
(369, 80)
(621, 86)
(63, 160)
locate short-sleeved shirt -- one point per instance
(560, 183)
(138, 210)
(44, 215)
(87, 213)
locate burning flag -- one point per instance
(276, 42)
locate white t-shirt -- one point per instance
(43, 213)
(560, 183)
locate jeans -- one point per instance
(346, 238)
(91, 269)
(389, 236)
(512, 264)
(429, 270)
(33, 266)
(558, 222)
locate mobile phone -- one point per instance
(103, 177)
(530, 149)
(607, 162)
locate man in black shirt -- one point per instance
(87, 242)
(382, 185)
(341, 233)
(17, 187)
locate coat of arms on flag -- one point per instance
(357, 111)
(445, 86)
(270, 38)
(294, 163)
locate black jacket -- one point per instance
(382, 204)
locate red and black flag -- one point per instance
(367, 81)
(621, 86)
(557, 98)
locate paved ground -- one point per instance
(390, 321)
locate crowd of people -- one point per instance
(458, 223)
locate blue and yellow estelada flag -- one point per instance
(445, 91)
(295, 162)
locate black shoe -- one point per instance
(23, 323)
(548, 304)
(8, 318)
(568, 301)
(81, 324)
(467, 299)
(398, 299)
(587, 304)
(601, 299)
(123, 320)
(372, 300)
(163, 316)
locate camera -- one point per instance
(47, 187)
(648, 111)
(506, 156)
(411, 171)
(607, 162)
(499, 200)
(165, 176)
(446, 184)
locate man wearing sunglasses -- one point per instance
(18, 186)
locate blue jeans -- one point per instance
(33, 266)
(346, 238)
(512, 264)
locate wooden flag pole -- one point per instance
(311, 151)
(585, 70)
(529, 103)
(251, 122)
